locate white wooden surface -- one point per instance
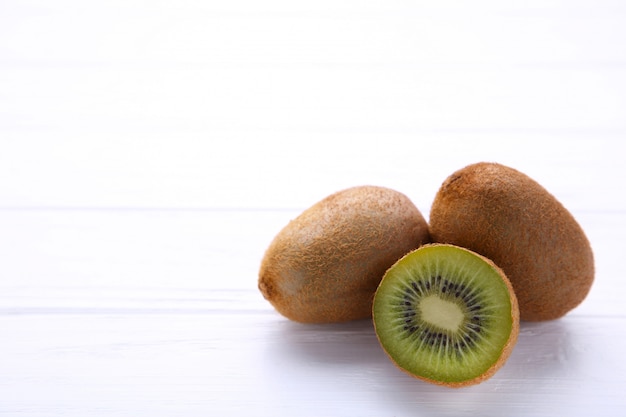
(149, 152)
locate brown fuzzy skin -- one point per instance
(325, 265)
(506, 216)
(506, 350)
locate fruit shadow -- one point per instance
(329, 356)
(314, 369)
(350, 344)
(545, 355)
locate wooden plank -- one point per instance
(259, 364)
(156, 312)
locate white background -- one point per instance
(150, 151)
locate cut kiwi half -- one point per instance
(446, 315)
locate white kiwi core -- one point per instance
(441, 313)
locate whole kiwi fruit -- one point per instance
(506, 216)
(325, 265)
(446, 315)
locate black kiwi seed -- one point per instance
(469, 298)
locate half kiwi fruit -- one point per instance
(446, 315)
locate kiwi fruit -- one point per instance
(506, 216)
(325, 265)
(446, 315)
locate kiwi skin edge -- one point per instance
(507, 348)
(509, 218)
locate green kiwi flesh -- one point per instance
(446, 315)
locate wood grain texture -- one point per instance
(150, 151)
